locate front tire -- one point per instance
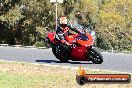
(95, 56)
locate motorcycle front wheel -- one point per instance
(95, 56)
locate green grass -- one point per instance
(25, 75)
(9, 80)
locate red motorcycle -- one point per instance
(81, 50)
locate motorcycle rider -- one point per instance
(61, 33)
(63, 30)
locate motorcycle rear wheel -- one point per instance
(95, 56)
(59, 54)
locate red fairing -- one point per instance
(71, 38)
(51, 36)
(79, 53)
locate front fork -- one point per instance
(89, 52)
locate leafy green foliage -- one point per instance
(25, 21)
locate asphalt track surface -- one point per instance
(112, 61)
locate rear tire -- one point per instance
(95, 56)
(59, 54)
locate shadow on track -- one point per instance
(70, 62)
(48, 61)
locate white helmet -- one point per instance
(63, 20)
